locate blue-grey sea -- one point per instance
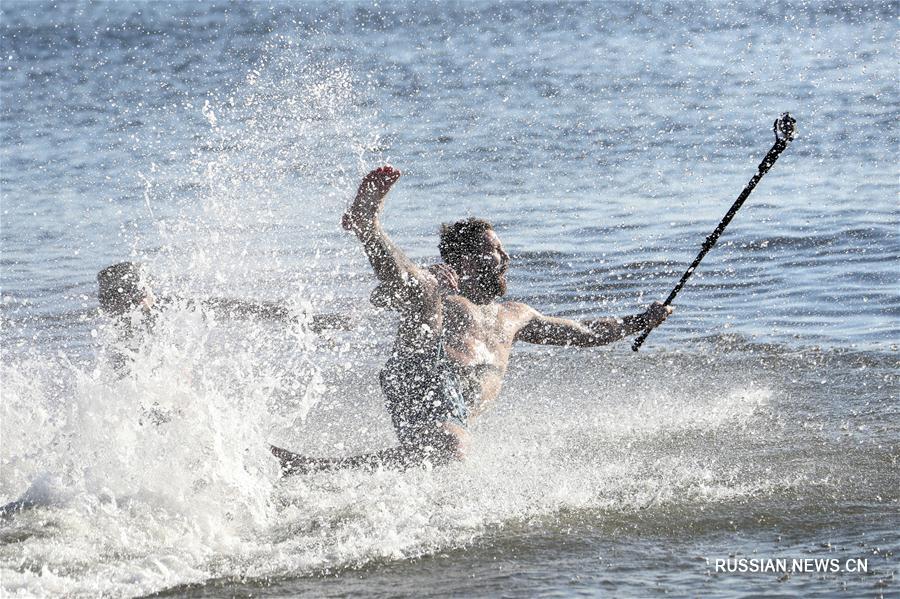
(219, 142)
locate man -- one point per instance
(452, 349)
(126, 295)
(125, 287)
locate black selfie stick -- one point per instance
(784, 134)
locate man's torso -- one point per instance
(477, 341)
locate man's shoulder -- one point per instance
(519, 309)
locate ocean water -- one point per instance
(218, 143)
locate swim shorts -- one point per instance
(421, 395)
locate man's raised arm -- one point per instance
(401, 277)
(550, 330)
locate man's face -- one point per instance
(142, 295)
(148, 300)
(488, 266)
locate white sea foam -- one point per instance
(163, 477)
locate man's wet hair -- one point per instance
(121, 287)
(462, 238)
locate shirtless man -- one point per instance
(452, 349)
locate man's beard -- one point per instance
(492, 283)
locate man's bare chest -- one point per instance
(478, 335)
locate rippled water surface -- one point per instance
(218, 144)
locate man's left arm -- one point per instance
(550, 330)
